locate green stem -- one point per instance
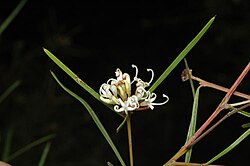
(130, 145)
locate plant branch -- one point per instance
(220, 107)
(234, 110)
(240, 103)
(218, 87)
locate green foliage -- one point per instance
(7, 145)
(9, 90)
(74, 76)
(6, 156)
(12, 15)
(192, 125)
(229, 148)
(244, 113)
(94, 117)
(44, 154)
(28, 147)
(181, 55)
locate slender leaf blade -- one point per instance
(192, 126)
(94, 117)
(122, 124)
(9, 90)
(109, 164)
(247, 114)
(246, 125)
(75, 77)
(229, 148)
(72, 74)
(44, 154)
(12, 15)
(30, 146)
(7, 145)
(181, 55)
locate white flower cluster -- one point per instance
(118, 92)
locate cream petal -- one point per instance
(108, 101)
(127, 84)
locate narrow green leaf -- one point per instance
(181, 56)
(72, 75)
(30, 146)
(12, 15)
(229, 148)
(8, 91)
(109, 164)
(192, 125)
(122, 124)
(44, 154)
(75, 77)
(247, 114)
(7, 145)
(95, 118)
(246, 125)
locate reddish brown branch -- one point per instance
(186, 75)
(220, 107)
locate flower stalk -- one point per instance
(130, 143)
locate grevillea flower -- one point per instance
(118, 92)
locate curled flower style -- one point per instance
(150, 99)
(118, 92)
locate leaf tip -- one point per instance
(213, 18)
(44, 49)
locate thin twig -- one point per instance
(220, 107)
(187, 74)
(240, 103)
(222, 104)
(234, 110)
(218, 87)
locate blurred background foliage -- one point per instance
(93, 39)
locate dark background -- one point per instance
(93, 40)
